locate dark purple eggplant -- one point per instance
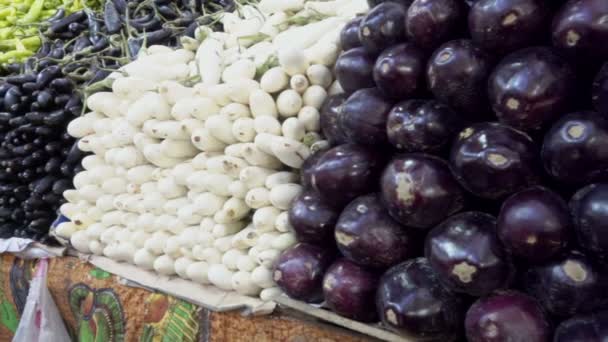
(531, 88)
(583, 328)
(299, 271)
(467, 255)
(534, 224)
(430, 23)
(399, 71)
(492, 160)
(349, 290)
(422, 126)
(507, 316)
(457, 74)
(329, 114)
(354, 70)
(599, 93)
(419, 191)
(374, 3)
(362, 117)
(345, 172)
(307, 168)
(503, 26)
(349, 36)
(568, 286)
(111, 18)
(367, 235)
(580, 29)
(383, 26)
(312, 220)
(589, 207)
(411, 301)
(575, 149)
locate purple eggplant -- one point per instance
(467, 255)
(367, 235)
(329, 114)
(354, 70)
(411, 301)
(383, 26)
(493, 160)
(299, 271)
(363, 115)
(430, 23)
(589, 208)
(575, 149)
(422, 126)
(531, 88)
(349, 36)
(599, 93)
(507, 316)
(534, 224)
(400, 70)
(419, 191)
(349, 290)
(308, 167)
(584, 328)
(312, 220)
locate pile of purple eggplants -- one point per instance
(464, 194)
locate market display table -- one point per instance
(98, 306)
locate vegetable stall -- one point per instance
(408, 169)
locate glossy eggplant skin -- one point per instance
(530, 88)
(313, 221)
(419, 191)
(583, 328)
(467, 255)
(374, 3)
(345, 172)
(399, 71)
(534, 224)
(354, 70)
(493, 160)
(367, 235)
(577, 30)
(430, 23)
(503, 26)
(457, 73)
(422, 126)
(568, 286)
(575, 149)
(589, 207)
(383, 26)
(507, 316)
(411, 301)
(349, 36)
(299, 271)
(363, 115)
(329, 115)
(308, 167)
(599, 92)
(349, 290)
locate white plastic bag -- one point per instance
(40, 320)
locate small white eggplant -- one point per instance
(261, 103)
(289, 103)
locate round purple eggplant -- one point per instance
(503, 26)
(493, 160)
(345, 172)
(363, 115)
(350, 289)
(419, 191)
(422, 126)
(589, 208)
(583, 328)
(534, 224)
(299, 271)
(531, 88)
(457, 74)
(430, 23)
(329, 114)
(568, 286)
(374, 3)
(383, 26)
(308, 166)
(575, 149)
(355, 70)
(507, 316)
(411, 301)
(599, 92)
(312, 220)
(367, 235)
(399, 71)
(349, 36)
(467, 255)
(580, 28)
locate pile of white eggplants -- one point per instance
(196, 151)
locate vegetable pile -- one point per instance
(462, 132)
(196, 151)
